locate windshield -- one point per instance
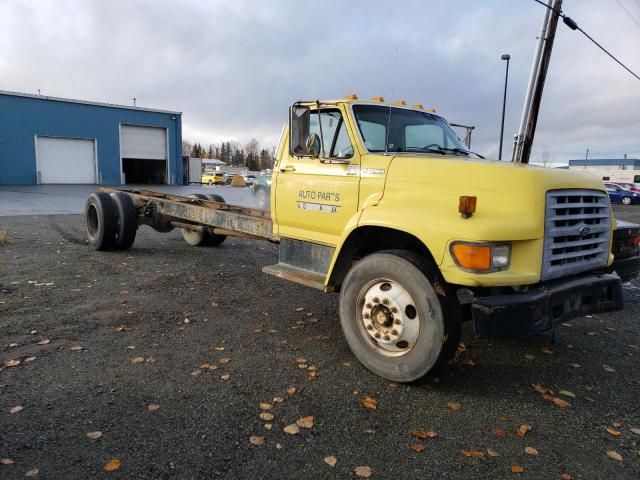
(409, 131)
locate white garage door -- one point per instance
(145, 143)
(65, 160)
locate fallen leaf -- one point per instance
(29, 359)
(393, 385)
(369, 402)
(279, 446)
(560, 402)
(94, 435)
(492, 453)
(363, 471)
(291, 390)
(305, 422)
(225, 376)
(299, 309)
(547, 351)
(614, 455)
(76, 348)
(6, 461)
(575, 365)
(205, 365)
(256, 440)
(220, 349)
(137, 360)
(529, 357)
(300, 360)
(278, 399)
(522, 430)
(268, 426)
(567, 393)
(43, 342)
(613, 432)
(423, 434)
(302, 365)
(530, 451)
(517, 469)
(635, 430)
(417, 447)
(152, 407)
(16, 409)
(265, 406)
(330, 460)
(11, 363)
(566, 476)
(112, 465)
(498, 432)
(32, 473)
(266, 416)
(224, 360)
(472, 453)
(454, 406)
(292, 429)
(541, 390)
(607, 368)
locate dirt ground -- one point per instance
(169, 350)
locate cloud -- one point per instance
(234, 67)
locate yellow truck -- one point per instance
(383, 204)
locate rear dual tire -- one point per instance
(424, 326)
(110, 220)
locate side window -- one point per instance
(606, 178)
(334, 133)
(636, 179)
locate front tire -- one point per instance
(393, 319)
(626, 201)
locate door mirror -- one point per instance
(299, 125)
(313, 145)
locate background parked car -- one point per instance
(618, 194)
(261, 190)
(213, 178)
(626, 250)
(628, 186)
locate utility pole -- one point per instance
(506, 57)
(542, 56)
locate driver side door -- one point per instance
(315, 197)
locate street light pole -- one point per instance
(506, 57)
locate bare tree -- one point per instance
(187, 146)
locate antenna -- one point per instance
(393, 91)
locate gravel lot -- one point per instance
(147, 320)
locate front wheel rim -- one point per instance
(387, 317)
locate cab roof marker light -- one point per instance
(352, 96)
(418, 106)
(378, 99)
(399, 102)
(431, 110)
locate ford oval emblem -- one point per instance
(584, 231)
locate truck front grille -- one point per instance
(577, 231)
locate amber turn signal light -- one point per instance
(467, 206)
(472, 257)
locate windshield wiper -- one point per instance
(459, 150)
(421, 149)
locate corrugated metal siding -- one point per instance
(22, 118)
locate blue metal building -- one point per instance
(47, 140)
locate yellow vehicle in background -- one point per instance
(213, 178)
(383, 203)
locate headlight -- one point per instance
(481, 257)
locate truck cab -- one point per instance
(362, 183)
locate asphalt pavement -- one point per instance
(166, 355)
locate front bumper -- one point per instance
(543, 307)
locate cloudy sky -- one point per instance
(234, 67)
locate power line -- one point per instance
(569, 22)
(628, 12)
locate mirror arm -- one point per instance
(322, 155)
